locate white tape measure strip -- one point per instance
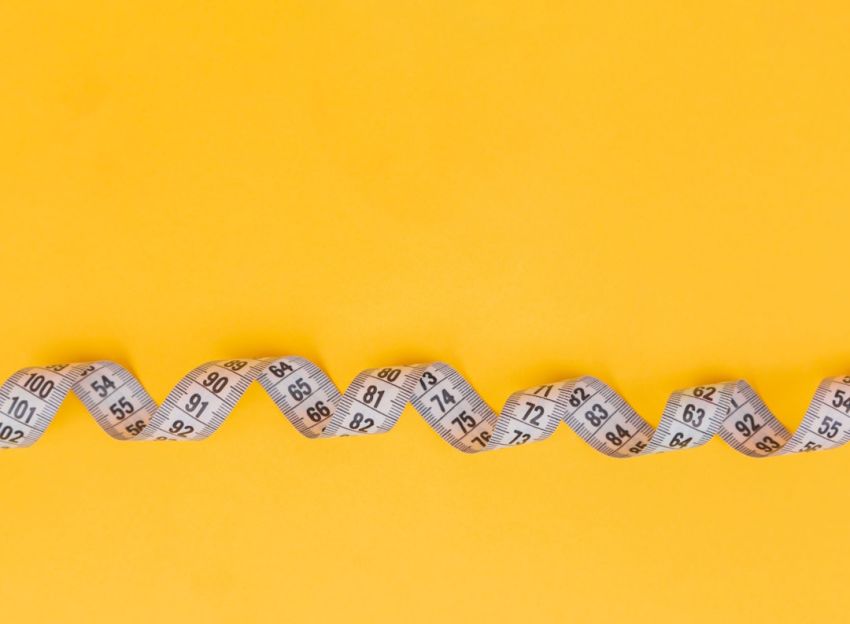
(198, 405)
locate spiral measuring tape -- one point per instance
(374, 401)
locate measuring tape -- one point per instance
(374, 401)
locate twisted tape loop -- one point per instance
(373, 403)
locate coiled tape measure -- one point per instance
(374, 401)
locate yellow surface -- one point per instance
(534, 190)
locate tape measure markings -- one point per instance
(374, 401)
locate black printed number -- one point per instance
(829, 427)
(705, 392)
(10, 435)
(482, 439)
(596, 415)
(235, 365)
(693, 415)
(216, 382)
(103, 386)
(318, 411)
(178, 427)
(465, 421)
(619, 436)
(443, 399)
(196, 405)
(122, 408)
(299, 389)
(841, 400)
(679, 440)
(390, 374)
(373, 396)
(767, 444)
(520, 437)
(360, 423)
(747, 425)
(39, 385)
(21, 410)
(578, 396)
(280, 369)
(135, 428)
(533, 414)
(427, 380)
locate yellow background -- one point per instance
(654, 193)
